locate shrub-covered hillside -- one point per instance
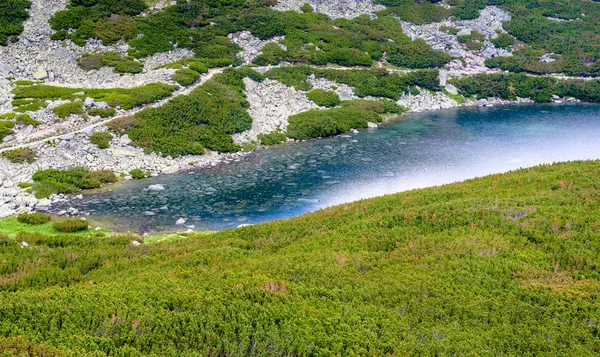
(501, 265)
(12, 15)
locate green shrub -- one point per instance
(323, 123)
(185, 76)
(12, 15)
(26, 119)
(503, 40)
(65, 110)
(104, 176)
(90, 62)
(324, 98)
(70, 225)
(68, 181)
(205, 118)
(126, 98)
(272, 138)
(6, 129)
(101, 139)
(102, 112)
(122, 124)
(20, 156)
(35, 218)
(138, 174)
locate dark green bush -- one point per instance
(138, 174)
(20, 156)
(104, 176)
(65, 110)
(503, 40)
(185, 76)
(322, 123)
(68, 181)
(70, 225)
(102, 112)
(272, 138)
(205, 118)
(324, 98)
(35, 218)
(101, 139)
(12, 15)
(6, 128)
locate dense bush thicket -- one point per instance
(540, 89)
(324, 98)
(121, 64)
(101, 139)
(352, 115)
(102, 112)
(205, 118)
(35, 218)
(12, 15)
(272, 138)
(108, 20)
(374, 82)
(70, 225)
(506, 263)
(65, 110)
(202, 26)
(20, 156)
(185, 76)
(51, 181)
(126, 98)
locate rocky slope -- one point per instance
(36, 57)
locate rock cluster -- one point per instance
(271, 104)
(348, 9)
(251, 45)
(489, 21)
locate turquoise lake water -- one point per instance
(421, 150)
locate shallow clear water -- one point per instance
(422, 150)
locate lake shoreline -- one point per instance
(266, 163)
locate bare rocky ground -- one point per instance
(35, 56)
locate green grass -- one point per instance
(500, 265)
(125, 98)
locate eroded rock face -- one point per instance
(348, 9)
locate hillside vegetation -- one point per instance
(500, 265)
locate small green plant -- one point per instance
(26, 119)
(20, 156)
(138, 174)
(6, 128)
(272, 138)
(101, 139)
(102, 112)
(185, 76)
(36, 218)
(65, 110)
(70, 225)
(104, 176)
(324, 98)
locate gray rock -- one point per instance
(455, 53)
(88, 102)
(40, 74)
(156, 187)
(464, 32)
(451, 89)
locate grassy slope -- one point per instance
(502, 265)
